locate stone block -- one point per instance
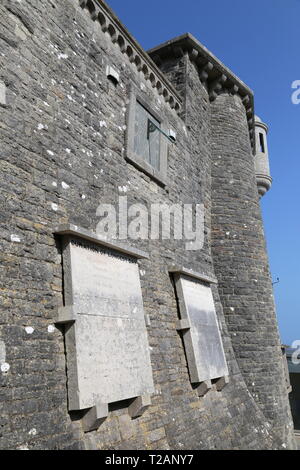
(94, 417)
(112, 74)
(139, 406)
(183, 324)
(2, 93)
(107, 347)
(221, 383)
(201, 335)
(204, 388)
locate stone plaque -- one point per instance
(107, 347)
(201, 334)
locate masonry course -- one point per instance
(63, 149)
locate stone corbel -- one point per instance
(139, 406)
(221, 383)
(65, 315)
(94, 417)
(183, 324)
(205, 71)
(234, 90)
(193, 54)
(203, 388)
(246, 100)
(216, 86)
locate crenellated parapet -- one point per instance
(111, 25)
(213, 74)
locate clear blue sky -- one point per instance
(260, 42)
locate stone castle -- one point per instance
(130, 343)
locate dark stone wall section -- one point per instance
(241, 265)
(63, 145)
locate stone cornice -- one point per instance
(262, 125)
(213, 73)
(110, 24)
(72, 230)
(190, 273)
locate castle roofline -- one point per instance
(188, 41)
(212, 71)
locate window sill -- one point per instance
(142, 165)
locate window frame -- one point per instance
(262, 146)
(160, 175)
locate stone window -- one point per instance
(147, 146)
(261, 142)
(146, 136)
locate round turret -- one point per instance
(262, 167)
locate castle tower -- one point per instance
(262, 167)
(241, 261)
(238, 247)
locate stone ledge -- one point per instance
(74, 230)
(142, 165)
(194, 274)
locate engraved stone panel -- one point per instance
(201, 334)
(107, 348)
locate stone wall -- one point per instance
(241, 264)
(63, 135)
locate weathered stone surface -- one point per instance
(94, 417)
(204, 388)
(2, 93)
(139, 405)
(107, 349)
(203, 344)
(241, 265)
(63, 152)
